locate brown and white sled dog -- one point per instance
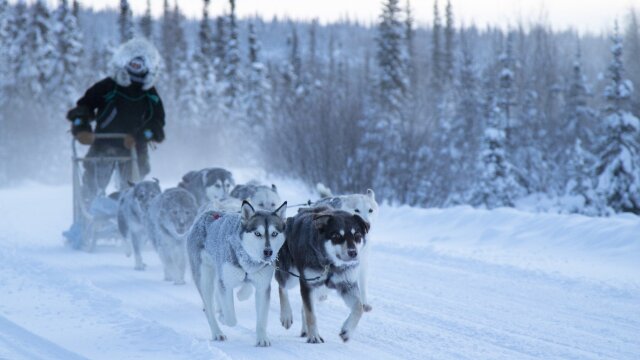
(322, 250)
(227, 249)
(364, 205)
(170, 217)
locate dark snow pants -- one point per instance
(97, 173)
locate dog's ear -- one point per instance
(371, 194)
(282, 211)
(247, 210)
(321, 220)
(204, 178)
(274, 188)
(156, 180)
(363, 223)
(131, 183)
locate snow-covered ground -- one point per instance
(445, 284)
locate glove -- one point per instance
(129, 142)
(85, 137)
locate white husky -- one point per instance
(227, 249)
(364, 205)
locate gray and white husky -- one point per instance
(171, 214)
(133, 209)
(261, 196)
(322, 250)
(364, 205)
(208, 184)
(227, 249)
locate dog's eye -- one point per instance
(358, 237)
(273, 205)
(370, 211)
(335, 237)
(218, 186)
(257, 233)
(357, 210)
(274, 234)
(261, 204)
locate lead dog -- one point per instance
(170, 217)
(227, 249)
(364, 205)
(132, 216)
(321, 251)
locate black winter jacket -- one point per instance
(117, 109)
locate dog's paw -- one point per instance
(303, 333)
(344, 335)
(219, 337)
(263, 342)
(140, 267)
(315, 339)
(179, 282)
(286, 320)
(232, 321)
(367, 307)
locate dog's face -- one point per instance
(364, 205)
(266, 198)
(343, 235)
(263, 232)
(145, 191)
(180, 212)
(217, 183)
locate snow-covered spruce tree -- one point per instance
(632, 54)
(232, 78)
(125, 22)
(37, 64)
(187, 84)
(436, 51)
(168, 41)
(146, 22)
(219, 49)
(580, 182)
(618, 166)
(580, 118)
(205, 57)
(258, 89)
(5, 78)
(497, 185)
(383, 136)
(449, 38)
(70, 51)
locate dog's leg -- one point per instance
(351, 296)
(286, 315)
(225, 295)
(135, 242)
(179, 265)
(166, 263)
(263, 295)
(304, 331)
(207, 288)
(362, 279)
(313, 336)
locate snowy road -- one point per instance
(433, 298)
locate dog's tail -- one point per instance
(323, 190)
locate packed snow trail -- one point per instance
(445, 284)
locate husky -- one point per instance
(132, 216)
(322, 250)
(208, 184)
(228, 249)
(364, 205)
(170, 217)
(263, 197)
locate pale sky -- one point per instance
(586, 15)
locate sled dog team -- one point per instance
(238, 236)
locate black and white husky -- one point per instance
(227, 249)
(206, 185)
(364, 205)
(132, 216)
(322, 250)
(171, 215)
(261, 196)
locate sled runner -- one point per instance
(96, 219)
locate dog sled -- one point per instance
(97, 219)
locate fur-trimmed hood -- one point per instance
(137, 47)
